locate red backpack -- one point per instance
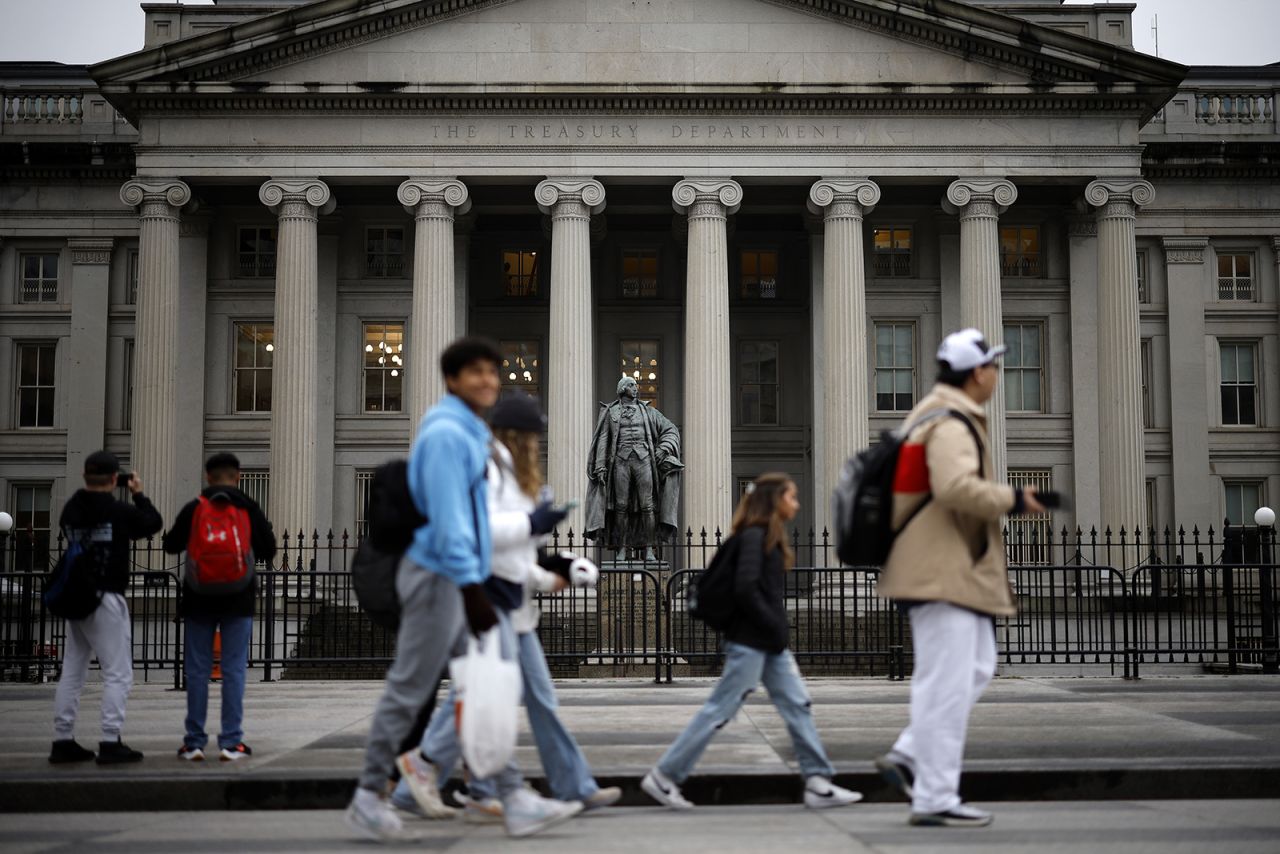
(219, 554)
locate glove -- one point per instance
(583, 573)
(544, 519)
(480, 615)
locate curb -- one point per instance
(292, 792)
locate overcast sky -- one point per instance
(1194, 32)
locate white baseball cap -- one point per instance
(967, 349)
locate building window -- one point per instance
(1031, 536)
(1244, 497)
(1023, 368)
(364, 481)
(1239, 383)
(256, 483)
(520, 273)
(521, 368)
(759, 274)
(129, 358)
(384, 253)
(1148, 414)
(758, 387)
(1153, 518)
(32, 523)
(640, 362)
(1144, 295)
(39, 277)
(131, 285)
(257, 253)
(895, 367)
(36, 384)
(639, 273)
(1235, 278)
(1020, 251)
(255, 349)
(891, 252)
(383, 367)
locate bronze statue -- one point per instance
(634, 465)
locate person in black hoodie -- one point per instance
(207, 613)
(755, 650)
(106, 526)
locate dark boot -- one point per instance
(68, 750)
(117, 752)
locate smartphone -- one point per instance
(1052, 499)
(123, 478)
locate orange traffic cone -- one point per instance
(216, 675)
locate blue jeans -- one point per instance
(744, 668)
(199, 664)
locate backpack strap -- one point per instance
(935, 415)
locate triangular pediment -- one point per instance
(774, 48)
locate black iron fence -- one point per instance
(1110, 603)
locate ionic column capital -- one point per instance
(156, 198)
(306, 198)
(569, 197)
(979, 197)
(1119, 197)
(90, 250)
(703, 198)
(1184, 250)
(843, 198)
(434, 197)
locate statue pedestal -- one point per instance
(627, 600)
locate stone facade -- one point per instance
(265, 225)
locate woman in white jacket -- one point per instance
(518, 526)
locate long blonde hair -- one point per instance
(525, 450)
(760, 507)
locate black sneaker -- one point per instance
(896, 774)
(961, 815)
(67, 750)
(117, 752)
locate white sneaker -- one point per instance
(820, 794)
(961, 815)
(526, 813)
(664, 791)
(602, 798)
(373, 818)
(421, 776)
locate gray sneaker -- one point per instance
(526, 813)
(420, 775)
(961, 815)
(602, 798)
(372, 817)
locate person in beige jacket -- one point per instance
(947, 566)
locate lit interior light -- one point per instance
(399, 348)
(511, 376)
(270, 348)
(636, 374)
(368, 348)
(395, 373)
(653, 376)
(528, 376)
(506, 363)
(382, 360)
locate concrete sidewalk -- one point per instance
(1030, 739)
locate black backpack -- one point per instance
(862, 503)
(72, 591)
(392, 519)
(711, 599)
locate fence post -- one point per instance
(1270, 653)
(269, 639)
(179, 637)
(1228, 595)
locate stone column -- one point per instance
(708, 395)
(843, 202)
(570, 365)
(1194, 497)
(295, 374)
(1082, 238)
(979, 202)
(433, 204)
(1121, 456)
(157, 341)
(87, 349)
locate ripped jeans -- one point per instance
(744, 669)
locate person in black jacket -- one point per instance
(755, 650)
(106, 526)
(205, 614)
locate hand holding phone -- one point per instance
(1051, 499)
(122, 479)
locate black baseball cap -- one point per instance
(518, 412)
(101, 463)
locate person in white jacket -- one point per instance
(518, 526)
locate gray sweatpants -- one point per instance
(107, 634)
(431, 622)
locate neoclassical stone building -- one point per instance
(256, 234)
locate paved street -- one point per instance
(1124, 827)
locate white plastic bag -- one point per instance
(489, 693)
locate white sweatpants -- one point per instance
(955, 658)
(107, 634)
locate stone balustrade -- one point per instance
(1245, 107)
